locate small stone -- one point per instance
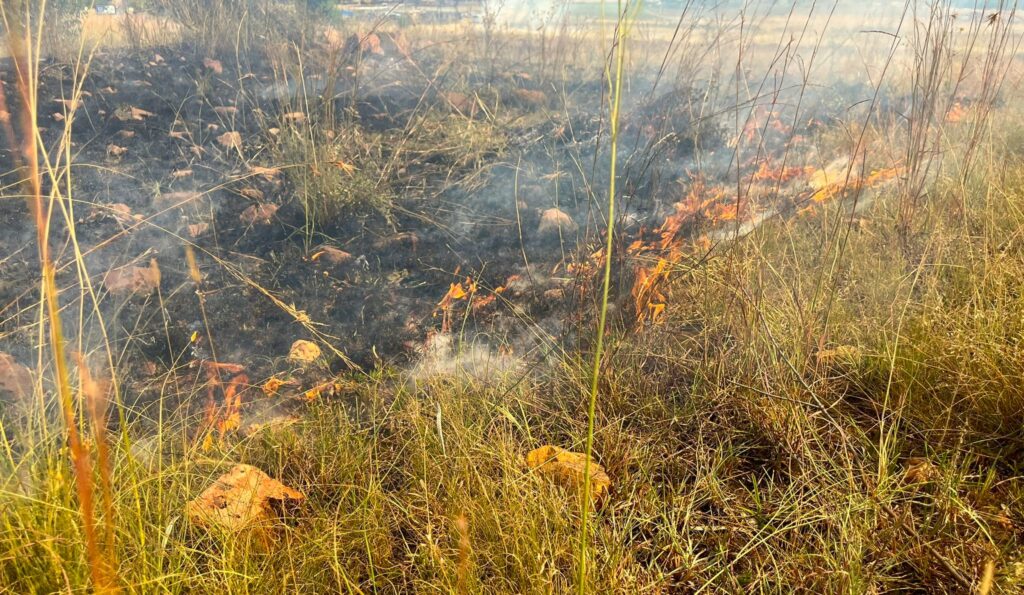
(566, 469)
(920, 470)
(554, 221)
(303, 352)
(15, 379)
(529, 98)
(130, 280)
(213, 65)
(115, 150)
(197, 229)
(258, 214)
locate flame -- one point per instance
(232, 417)
(827, 189)
(456, 292)
(272, 385)
(647, 295)
(766, 173)
(229, 417)
(701, 201)
(956, 113)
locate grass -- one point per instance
(830, 403)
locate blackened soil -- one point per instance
(146, 135)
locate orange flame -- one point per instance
(456, 292)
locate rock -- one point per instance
(243, 498)
(213, 65)
(130, 280)
(566, 468)
(920, 470)
(115, 150)
(530, 99)
(258, 214)
(303, 352)
(461, 103)
(15, 379)
(197, 229)
(554, 221)
(331, 255)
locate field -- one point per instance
(574, 297)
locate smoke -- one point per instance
(732, 115)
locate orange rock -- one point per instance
(258, 214)
(566, 468)
(133, 279)
(529, 98)
(920, 470)
(115, 151)
(243, 498)
(304, 352)
(197, 229)
(213, 65)
(555, 221)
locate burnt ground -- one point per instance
(154, 177)
(151, 177)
